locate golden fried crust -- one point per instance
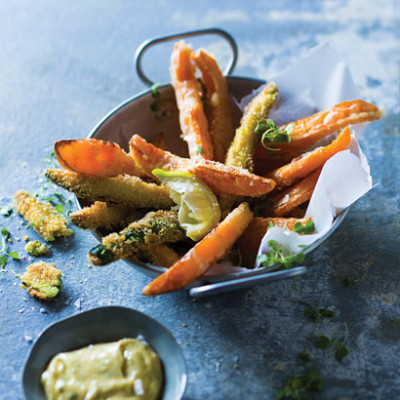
(160, 255)
(240, 153)
(230, 180)
(220, 113)
(193, 122)
(42, 280)
(154, 228)
(43, 218)
(220, 178)
(122, 189)
(100, 215)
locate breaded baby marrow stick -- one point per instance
(42, 217)
(193, 122)
(219, 104)
(122, 189)
(154, 228)
(101, 215)
(240, 153)
(160, 255)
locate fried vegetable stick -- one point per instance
(204, 254)
(42, 217)
(122, 189)
(160, 255)
(250, 241)
(42, 280)
(192, 119)
(230, 180)
(220, 178)
(308, 162)
(94, 157)
(285, 202)
(240, 153)
(101, 215)
(220, 113)
(307, 131)
(154, 228)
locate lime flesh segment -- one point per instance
(199, 210)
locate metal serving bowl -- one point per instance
(149, 116)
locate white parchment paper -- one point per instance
(315, 83)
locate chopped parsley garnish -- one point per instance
(316, 314)
(161, 113)
(299, 387)
(260, 205)
(307, 228)
(272, 135)
(5, 234)
(279, 255)
(200, 151)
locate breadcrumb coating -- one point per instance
(154, 228)
(160, 255)
(42, 217)
(42, 280)
(101, 215)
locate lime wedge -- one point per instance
(199, 210)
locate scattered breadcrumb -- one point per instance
(36, 248)
(42, 280)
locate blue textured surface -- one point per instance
(64, 65)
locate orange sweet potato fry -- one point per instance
(193, 122)
(250, 241)
(94, 157)
(285, 202)
(204, 254)
(231, 180)
(220, 113)
(220, 178)
(149, 157)
(307, 131)
(308, 162)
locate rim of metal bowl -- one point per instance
(152, 270)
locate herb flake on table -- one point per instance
(4, 255)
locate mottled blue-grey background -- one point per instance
(64, 65)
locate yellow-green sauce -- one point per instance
(127, 369)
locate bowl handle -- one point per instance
(210, 31)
